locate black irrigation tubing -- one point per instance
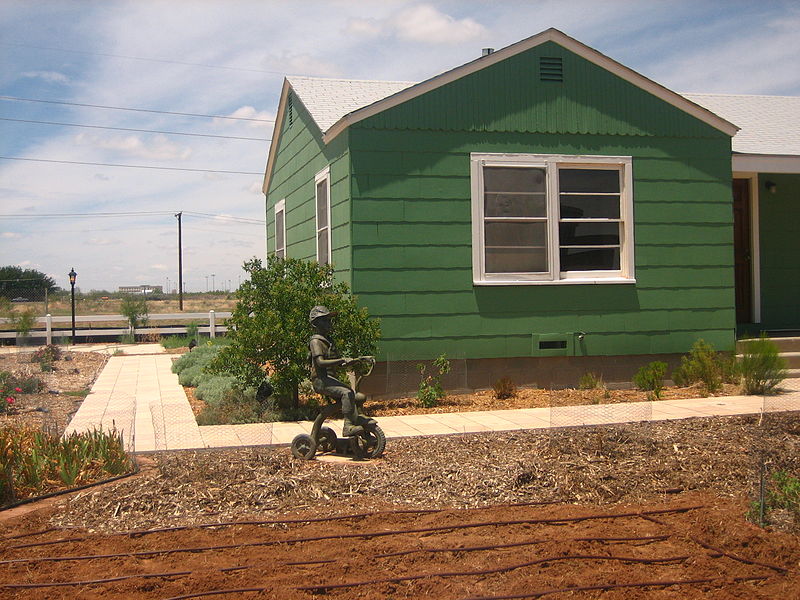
(219, 593)
(51, 543)
(410, 511)
(738, 558)
(29, 534)
(492, 571)
(649, 538)
(71, 490)
(111, 579)
(342, 536)
(613, 586)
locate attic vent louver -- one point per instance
(289, 111)
(551, 69)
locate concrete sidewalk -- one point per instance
(141, 397)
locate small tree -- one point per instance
(134, 308)
(269, 327)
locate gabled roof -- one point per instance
(328, 100)
(769, 124)
(337, 101)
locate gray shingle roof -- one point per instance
(769, 124)
(328, 100)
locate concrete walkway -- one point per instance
(140, 396)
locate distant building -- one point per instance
(141, 289)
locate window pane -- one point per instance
(516, 234)
(589, 259)
(588, 234)
(322, 204)
(513, 179)
(589, 207)
(515, 205)
(322, 247)
(279, 241)
(516, 260)
(589, 180)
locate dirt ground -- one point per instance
(456, 517)
(60, 397)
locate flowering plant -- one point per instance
(7, 400)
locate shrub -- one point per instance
(241, 405)
(650, 378)
(269, 324)
(25, 384)
(761, 366)
(212, 388)
(701, 365)
(505, 388)
(191, 376)
(46, 354)
(591, 381)
(430, 386)
(200, 356)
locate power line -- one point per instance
(159, 60)
(226, 137)
(225, 217)
(244, 220)
(99, 164)
(160, 112)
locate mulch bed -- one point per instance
(52, 408)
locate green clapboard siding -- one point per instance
(779, 230)
(301, 155)
(411, 216)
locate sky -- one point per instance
(224, 62)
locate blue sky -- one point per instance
(228, 58)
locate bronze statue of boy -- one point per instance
(324, 357)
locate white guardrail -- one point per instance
(212, 329)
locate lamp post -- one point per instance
(72, 276)
(212, 283)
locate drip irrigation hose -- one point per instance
(493, 571)
(735, 557)
(341, 536)
(410, 511)
(613, 586)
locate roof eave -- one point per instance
(550, 35)
(276, 136)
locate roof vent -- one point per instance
(551, 68)
(289, 111)
(487, 51)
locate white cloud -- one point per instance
(265, 122)
(366, 28)
(420, 23)
(425, 23)
(159, 147)
(48, 76)
(10, 235)
(101, 241)
(159, 267)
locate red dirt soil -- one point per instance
(705, 548)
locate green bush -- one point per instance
(212, 388)
(240, 405)
(702, 365)
(27, 384)
(269, 324)
(46, 354)
(430, 386)
(761, 366)
(200, 356)
(650, 378)
(134, 309)
(191, 376)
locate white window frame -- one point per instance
(552, 163)
(280, 208)
(323, 175)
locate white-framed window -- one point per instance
(280, 229)
(322, 194)
(548, 219)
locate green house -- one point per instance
(538, 212)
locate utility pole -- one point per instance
(180, 263)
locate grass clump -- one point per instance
(591, 381)
(504, 388)
(761, 366)
(35, 462)
(650, 378)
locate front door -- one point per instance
(742, 251)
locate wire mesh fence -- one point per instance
(600, 414)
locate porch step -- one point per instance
(792, 360)
(784, 344)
